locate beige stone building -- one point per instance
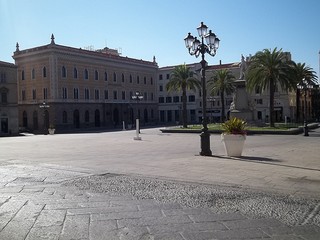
(251, 106)
(170, 104)
(8, 99)
(73, 88)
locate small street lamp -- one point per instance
(196, 47)
(44, 106)
(137, 97)
(305, 85)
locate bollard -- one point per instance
(123, 126)
(137, 137)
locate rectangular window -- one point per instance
(64, 93)
(160, 77)
(44, 72)
(3, 78)
(45, 93)
(161, 88)
(4, 98)
(176, 115)
(23, 93)
(152, 97)
(34, 94)
(168, 75)
(123, 95)
(259, 101)
(162, 116)
(145, 96)
(86, 94)
(192, 98)
(168, 99)
(75, 93)
(176, 99)
(169, 115)
(161, 99)
(115, 95)
(96, 94)
(106, 94)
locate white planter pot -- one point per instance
(51, 131)
(233, 144)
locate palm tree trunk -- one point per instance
(222, 107)
(272, 116)
(298, 115)
(184, 108)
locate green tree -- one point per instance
(221, 82)
(181, 80)
(268, 69)
(299, 72)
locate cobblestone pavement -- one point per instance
(35, 205)
(35, 202)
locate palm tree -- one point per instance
(266, 70)
(183, 79)
(299, 72)
(221, 82)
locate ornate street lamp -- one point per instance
(196, 47)
(305, 84)
(137, 97)
(44, 106)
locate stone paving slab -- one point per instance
(35, 205)
(57, 212)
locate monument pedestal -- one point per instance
(240, 107)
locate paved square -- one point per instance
(34, 204)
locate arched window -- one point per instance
(105, 76)
(145, 80)
(138, 79)
(33, 73)
(64, 117)
(64, 72)
(130, 78)
(86, 74)
(44, 72)
(22, 75)
(114, 77)
(96, 75)
(75, 73)
(122, 77)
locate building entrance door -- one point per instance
(4, 125)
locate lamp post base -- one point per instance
(205, 144)
(305, 130)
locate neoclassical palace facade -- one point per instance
(75, 88)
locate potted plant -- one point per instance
(234, 136)
(51, 129)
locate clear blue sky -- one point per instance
(147, 28)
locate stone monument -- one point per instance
(240, 106)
